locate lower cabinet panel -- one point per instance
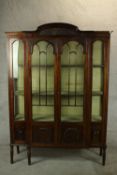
(20, 132)
(71, 135)
(42, 135)
(96, 132)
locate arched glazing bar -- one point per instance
(72, 82)
(42, 81)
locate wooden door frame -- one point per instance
(30, 44)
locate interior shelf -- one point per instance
(98, 66)
(67, 118)
(72, 65)
(66, 93)
(19, 92)
(43, 118)
(49, 105)
(63, 93)
(96, 118)
(50, 93)
(97, 93)
(20, 117)
(63, 65)
(43, 66)
(43, 93)
(70, 118)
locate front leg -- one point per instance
(100, 151)
(18, 149)
(103, 155)
(29, 154)
(11, 153)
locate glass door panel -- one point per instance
(97, 80)
(42, 82)
(72, 82)
(18, 78)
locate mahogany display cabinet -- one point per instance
(58, 88)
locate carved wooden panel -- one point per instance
(72, 135)
(19, 133)
(42, 134)
(95, 134)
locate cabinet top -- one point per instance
(57, 29)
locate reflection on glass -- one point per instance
(97, 53)
(96, 108)
(72, 82)
(43, 82)
(18, 77)
(97, 80)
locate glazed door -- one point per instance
(72, 93)
(42, 63)
(43, 93)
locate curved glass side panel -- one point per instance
(97, 53)
(72, 82)
(42, 82)
(97, 80)
(18, 77)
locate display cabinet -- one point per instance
(58, 88)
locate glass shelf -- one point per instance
(49, 105)
(64, 93)
(63, 65)
(20, 117)
(97, 93)
(97, 66)
(66, 105)
(96, 118)
(43, 117)
(72, 113)
(19, 92)
(70, 118)
(43, 66)
(50, 93)
(72, 65)
(44, 93)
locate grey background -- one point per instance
(18, 15)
